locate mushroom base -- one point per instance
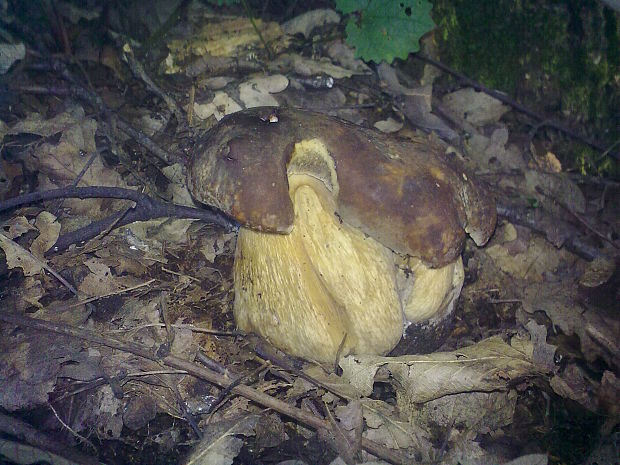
(430, 297)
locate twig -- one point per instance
(519, 107)
(63, 308)
(192, 328)
(577, 216)
(213, 65)
(236, 381)
(200, 372)
(41, 263)
(68, 428)
(556, 231)
(77, 91)
(25, 432)
(588, 226)
(146, 208)
(58, 26)
(163, 315)
(505, 301)
(79, 177)
(139, 72)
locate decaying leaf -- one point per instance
(530, 265)
(485, 366)
(230, 36)
(306, 22)
(474, 107)
(221, 105)
(60, 163)
(389, 125)
(557, 187)
(479, 411)
(573, 384)
(18, 257)
(256, 91)
(18, 452)
(597, 272)
(387, 427)
(30, 365)
(270, 431)
(308, 67)
(29, 293)
(352, 424)
(216, 245)
(177, 188)
(16, 226)
(597, 331)
(543, 353)
(220, 444)
(49, 230)
(35, 123)
(494, 153)
(102, 281)
(102, 410)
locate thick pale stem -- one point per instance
(430, 292)
(306, 290)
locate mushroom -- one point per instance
(347, 234)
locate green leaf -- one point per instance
(384, 30)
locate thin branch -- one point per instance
(140, 73)
(202, 373)
(558, 232)
(25, 432)
(41, 263)
(71, 430)
(79, 92)
(147, 208)
(519, 107)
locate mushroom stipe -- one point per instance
(345, 230)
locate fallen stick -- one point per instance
(203, 373)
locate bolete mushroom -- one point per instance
(346, 234)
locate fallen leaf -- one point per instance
(344, 56)
(306, 22)
(573, 384)
(543, 354)
(220, 444)
(479, 411)
(256, 92)
(488, 365)
(16, 227)
(221, 105)
(386, 427)
(389, 125)
(223, 37)
(18, 257)
(49, 230)
(308, 67)
(473, 107)
(557, 186)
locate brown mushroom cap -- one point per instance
(409, 196)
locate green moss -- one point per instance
(552, 55)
